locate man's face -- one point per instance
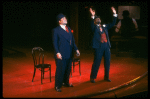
(97, 21)
(63, 21)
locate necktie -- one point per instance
(67, 29)
(67, 32)
(101, 29)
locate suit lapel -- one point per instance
(63, 33)
(98, 29)
(106, 34)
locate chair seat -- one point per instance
(42, 65)
(76, 59)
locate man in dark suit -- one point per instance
(101, 44)
(64, 45)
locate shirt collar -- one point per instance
(98, 25)
(63, 26)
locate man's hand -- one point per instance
(78, 53)
(92, 12)
(113, 9)
(59, 56)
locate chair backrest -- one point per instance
(37, 53)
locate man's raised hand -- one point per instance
(92, 12)
(113, 9)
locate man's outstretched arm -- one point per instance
(110, 25)
(93, 16)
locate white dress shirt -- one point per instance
(63, 26)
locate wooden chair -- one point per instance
(38, 58)
(76, 61)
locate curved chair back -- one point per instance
(38, 53)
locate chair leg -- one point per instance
(34, 74)
(73, 66)
(50, 72)
(79, 68)
(41, 75)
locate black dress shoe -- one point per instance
(67, 85)
(57, 89)
(107, 79)
(92, 80)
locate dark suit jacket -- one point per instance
(61, 42)
(97, 37)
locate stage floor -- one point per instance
(18, 72)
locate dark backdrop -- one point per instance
(29, 24)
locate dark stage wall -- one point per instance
(29, 24)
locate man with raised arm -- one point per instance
(101, 44)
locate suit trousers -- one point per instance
(63, 69)
(103, 50)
